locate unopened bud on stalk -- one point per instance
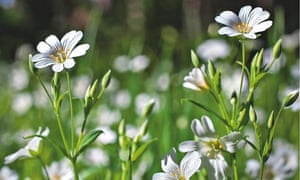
(142, 131)
(211, 69)
(121, 129)
(290, 98)
(252, 114)
(149, 107)
(194, 58)
(233, 98)
(271, 120)
(277, 49)
(106, 79)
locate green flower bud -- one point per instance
(233, 98)
(148, 109)
(106, 79)
(277, 49)
(252, 114)
(290, 98)
(194, 58)
(121, 129)
(142, 131)
(271, 120)
(211, 69)
(31, 68)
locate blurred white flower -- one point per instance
(107, 116)
(139, 63)
(108, 136)
(18, 78)
(188, 166)
(114, 85)
(32, 146)
(163, 82)
(80, 86)
(8, 174)
(282, 163)
(60, 171)
(132, 131)
(231, 82)
(295, 70)
(247, 23)
(96, 156)
(22, 52)
(209, 146)
(291, 41)
(213, 49)
(21, 103)
(122, 99)
(121, 63)
(195, 80)
(39, 97)
(143, 99)
(59, 53)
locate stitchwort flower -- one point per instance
(195, 80)
(247, 23)
(210, 147)
(59, 54)
(172, 171)
(32, 147)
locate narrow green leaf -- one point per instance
(194, 58)
(141, 149)
(88, 139)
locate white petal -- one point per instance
(53, 41)
(168, 164)
(40, 57)
(188, 146)
(228, 31)
(190, 164)
(43, 47)
(79, 50)
(250, 35)
(244, 13)
(44, 63)
(262, 26)
(67, 36)
(258, 18)
(252, 168)
(58, 67)
(72, 40)
(19, 154)
(163, 176)
(69, 63)
(191, 86)
(203, 128)
(227, 18)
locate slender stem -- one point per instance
(71, 109)
(44, 167)
(45, 89)
(243, 72)
(235, 169)
(61, 130)
(75, 171)
(262, 167)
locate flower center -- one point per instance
(215, 148)
(243, 27)
(178, 175)
(60, 55)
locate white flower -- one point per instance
(213, 49)
(59, 53)
(138, 63)
(18, 78)
(189, 165)
(81, 85)
(121, 63)
(8, 174)
(32, 146)
(143, 99)
(97, 156)
(60, 171)
(209, 146)
(22, 102)
(282, 163)
(195, 80)
(108, 136)
(231, 81)
(247, 23)
(122, 99)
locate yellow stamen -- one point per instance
(243, 27)
(60, 55)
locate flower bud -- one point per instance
(149, 107)
(277, 49)
(106, 79)
(233, 98)
(31, 68)
(271, 120)
(211, 69)
(252, 114)
(290, 98)
(194, 58)
(142, 131)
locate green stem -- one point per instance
(262, 166)
(61, 130)
(71, 109)
(75, 171)
(45, 89)
(243, 72)
(235, 169)
(44, 167)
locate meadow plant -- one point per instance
(208, 154)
